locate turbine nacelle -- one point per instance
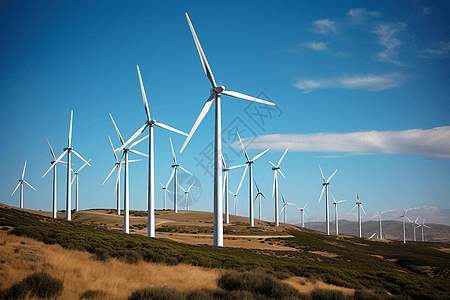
(68, 149)
(151, 122)
(325, 183)
(173, 166)
(218, 89)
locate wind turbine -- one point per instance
(325, 186)
(423, 225)
(275, 185)
(225, 187)
(285, 204)
(250, 174)
(55, 209)
(215, 94)
(373, 235)
(416, 225)
(186, 193)
(303, 214)
(125, 149)
(21, 182)
(75, 178)
(404, 229)
(379, 214)
(336, 213)
(235, 201)
(68, 150)
(165, 189)
(258, 194)
(175, 179)
(359, 205)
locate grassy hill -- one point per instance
(416, 270)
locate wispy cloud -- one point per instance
(429, 143)
(368, 82)
(386, 37)
(318, 46)
(324, 26)
(439, 50)
(359, 15)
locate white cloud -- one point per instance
(368, 82)
(316, 46)
(439, 50)
(359, 15)
(324, 26)
(430, 143)
(386, 37)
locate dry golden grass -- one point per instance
(21, 257)
(306, 287)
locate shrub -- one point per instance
(101, 254)
(91, 294)
(367, 295)
(200, 295)
(159, 293)
(322, 294)
(129, 256)
(39, 285)
(172, 261)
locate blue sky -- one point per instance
(360, 87)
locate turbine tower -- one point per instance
(404, 229)
(21, 182)
(250, 174)
(359, 205)
(275, 184)
(380, 236)
(285, 204)
(75, 178)
(235, 201)
(225, 187)
(125, 149)
(215, 94)
(256, 197)
(325, 187)
(186, 193)
(55, 209)
(68, 150)
(165, 189)
(336, 221)
(416, 225)
(302, 213)
(175, 167)
(423, 225)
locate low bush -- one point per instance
(157, 293)
(39, 285)
(322, 294)
(101, 254)
(171, 261)
(129, 256)
(91, 294)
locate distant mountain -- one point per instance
(392, 230)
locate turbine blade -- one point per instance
(24, 167)
(83, 166)
(323, 189)
(322, 173)
(115, 156)
(15, 189)
(137, 142)
(279, 170)
(170, 128)
(117, 130)
(305, 205)
(168, 191)
(190, 187)
(134, 160)
(73, 179)
(282, 198)
(109, 175)
(243, 148)
(170, 179)
(54, 163)
(272, 164)
(51, 150)
(135, 135)
(234, 167)
(329, 178)
(202, 55)
(242, 179)
(162, 185)
(259, 155)
(70, 128)
(137, 152)
(333, 198)
(200, 117)
(353, 208)
(182, 188)
(185, 170)
(81, 157)
(279, 162)
(256, 185)
(144, 97)
(245, 97)
(173, 153)
(224, 180)
(363, 209)
(223, 162)
(118, 172)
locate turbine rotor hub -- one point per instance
(151, 122)
(219, 89)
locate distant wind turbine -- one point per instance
(415, 225)
(235, 201)
(75, 178)
(67, 150)
(165, 189)
(303, 214)
(359, 205)
(325, 187)
(276, 169)
(423, 225)
(404, 229)
(250, 174)
(225, 187)
(186, 193)
(175, 179)
(21, 182)
(380, 236)
(336, 221)
(215, 94)
(285, 204)
(256, 197)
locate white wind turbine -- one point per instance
(423, 225)
(380, 236)
(235, 201)
(303, 214)
(415, 225)
(175, 167)
(325, 187)
(256, 197)
(116, 167)
(275, 185)
(336, 221)
(404, 229)
(75, 178)
(68, 150)
(225, 187)
(359, 205)
(250, 174)
(165, 189)
(55, 209)
(186, 193)
(285, 204)
(215, 94)
(21, 182)
(125, 149)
